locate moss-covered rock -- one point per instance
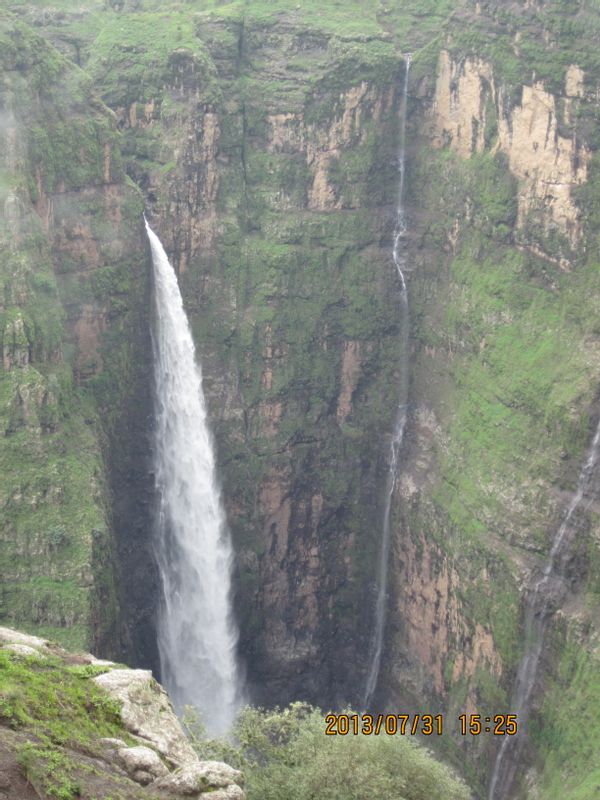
(76, 726)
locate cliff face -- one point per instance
(505, 386)
(264, 144)
(73, 260)
(270, 187)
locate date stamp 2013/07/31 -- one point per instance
(418, 724)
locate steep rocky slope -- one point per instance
(74, 342)
(72, 725)
(268, 180)
(263, 139)
(505, 383)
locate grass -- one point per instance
(568, 729)
(521, 380)
(132, 56)
(570, 28)
(352, 19)
(59, 715)
(59, 704)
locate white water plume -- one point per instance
(398, 254)
(196, 634)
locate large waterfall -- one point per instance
(398, 253)
(540, 604)
(196, 634)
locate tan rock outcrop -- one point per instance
(322, 145)
(574, 81)
(10, 637)
(434, 621)
(547, 164)
(460, 104)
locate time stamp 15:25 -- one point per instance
(423, 724)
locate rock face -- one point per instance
(269, 186)
(264, 147)
(498, 246)
(73, 325)
(146, 711)
(470, 113)
(157, 754)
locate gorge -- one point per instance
(264, 142)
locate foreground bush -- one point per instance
(287, 756)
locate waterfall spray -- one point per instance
(399, 257)
(538, 611)
(196, 634)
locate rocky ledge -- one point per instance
(72, 725)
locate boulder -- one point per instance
(22, 649)
(146, 711)
(142, 764)
(10, 637)
(204, 776)
(232, 792)
(113, 744)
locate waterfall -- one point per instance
(399, 257)
(538, 610)
(196, 634)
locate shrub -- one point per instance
(286, 755)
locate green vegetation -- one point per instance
(134, 56)
(57, 703)
(507, 365)
(510, 38)
(50, 770)
(60, 712)
(513, 324)
(568, 729)
(53, 718)
(55, 544)
(285, 755)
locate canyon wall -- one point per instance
(272, 185)
(74, 334)
(505, 383)
(263, 142)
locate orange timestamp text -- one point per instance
(418, 724)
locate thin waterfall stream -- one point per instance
(399, 256)
(539, 607)
(197, 636)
